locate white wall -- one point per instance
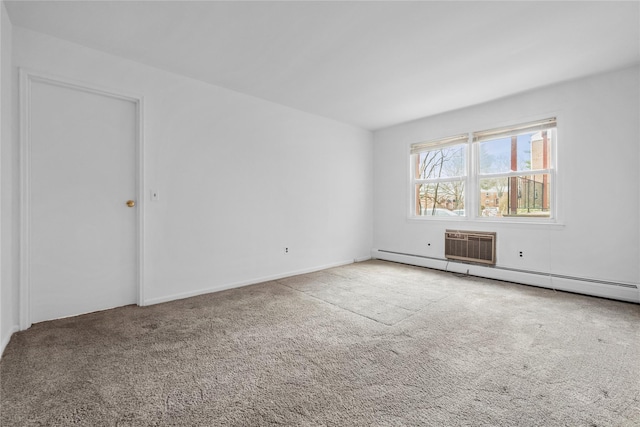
(8, 295)
(239, 178)
(598, 150)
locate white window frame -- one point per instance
(462, 139)
(472, 191)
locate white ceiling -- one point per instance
(370, 64)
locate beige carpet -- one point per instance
(368, 344)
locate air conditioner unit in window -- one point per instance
(470, 246)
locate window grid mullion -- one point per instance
(511, 174)
(437, 180)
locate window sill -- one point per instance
(493, 222)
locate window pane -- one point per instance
(440, 199)
(516, 153)
(444, 162)
(525, 196)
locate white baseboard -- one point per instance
(628, 292)
(5, 341)
(240, 284)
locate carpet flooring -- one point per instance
(368, 344)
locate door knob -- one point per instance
(131, 203)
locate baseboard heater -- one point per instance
(470, 246)
(516, 270)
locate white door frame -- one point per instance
(27, 77)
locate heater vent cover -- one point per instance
(470, 246)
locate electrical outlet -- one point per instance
(520, 254)
(286, 250)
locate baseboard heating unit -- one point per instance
(618, 290)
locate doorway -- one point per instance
(81, 205)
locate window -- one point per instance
(439, 171)
(510, 173)
(515, 170)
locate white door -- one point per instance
(82, 172)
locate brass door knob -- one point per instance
(131, 203)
